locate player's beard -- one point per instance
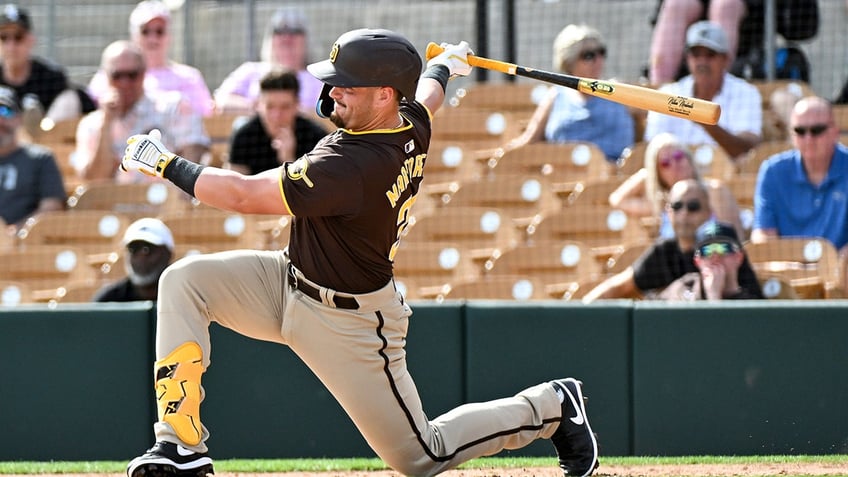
(337, 120)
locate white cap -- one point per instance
(146, 11)
(709, 35)
(150, 230)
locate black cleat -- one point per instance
(574, 441)
(166, 459)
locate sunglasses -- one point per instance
(288, 31)
(143, 248)
(718, 249)
(691, 206)
(674, 157)
(590, 55)
(17, 37)
(815, 130)
(6, 112)
(153, 31)
(131, 75)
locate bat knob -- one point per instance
(433, 51)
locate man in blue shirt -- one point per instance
(804, 191)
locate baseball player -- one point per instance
(330, 296)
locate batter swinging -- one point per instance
(332, 288)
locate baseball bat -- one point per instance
(641, 97)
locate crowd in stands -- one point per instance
(697, 224)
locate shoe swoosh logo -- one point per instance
(578, 418)
(183, 451)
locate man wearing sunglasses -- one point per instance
(804, 191)
(667, 260)
(127, 109)
(718, 256)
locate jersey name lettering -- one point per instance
(412, 167)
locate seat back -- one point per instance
(43, 267)
(519, 196)
(799, 260)
(93, 231)
(433, 264)
(132, 200)
(549, 262)
(215, 230)
(520, 97)
(570, 161)
(597, 225)
(496, 287)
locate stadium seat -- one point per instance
(810, 264)
(549, 262)
(496, 287)
(432, 265)
(13, 293)
(215, 230)
(147, 199)
(93, 231)
(521, 97)
(43, 267)
(600, 226)
(518, 195)
(571, 161)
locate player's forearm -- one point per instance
(229, 190)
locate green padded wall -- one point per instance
(77, 381)
(262, 401)
(765, 377)
(512, 346)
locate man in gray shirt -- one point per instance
(30, 181)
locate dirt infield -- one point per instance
(685, 470)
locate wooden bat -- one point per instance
(641, 97)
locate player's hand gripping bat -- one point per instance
(694, 109)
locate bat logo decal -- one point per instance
(596, 86)
(680, 105)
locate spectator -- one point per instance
(285, 44)
(568, 115)
(30, 180)
(740, 126)
(276, 133)
(803, 191)
(126, 109)
(669, 259)
(149, 247)
(149, 27)
(718, 256)
(744, 22)
(42, 87)
(667, 161)
(672, 20)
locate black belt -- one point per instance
(343, 302)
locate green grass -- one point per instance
(327, 465)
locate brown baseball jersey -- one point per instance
(350, 199)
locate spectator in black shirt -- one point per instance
(43, 87)
(669, 259)
(149, 248)
(277, 133)
(718, 256)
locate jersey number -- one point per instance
(402, 224)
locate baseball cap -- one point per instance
(146, 11)
(15, 15)
(287, 20)
(150, 230)
(713, 231)
(9, 98)
(709, 35)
